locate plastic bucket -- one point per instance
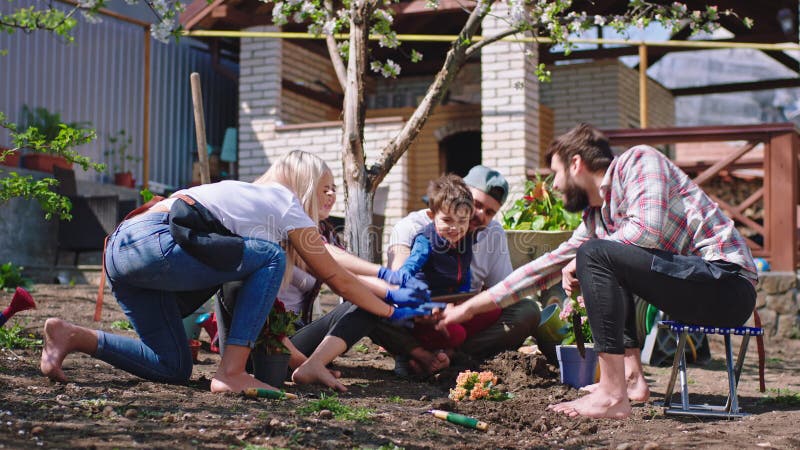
(576, 371)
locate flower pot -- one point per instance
(12, 158)
(576, 371)
(44, 162)
(124, 179)
(550, 331)
(270, 368)
(526, 245)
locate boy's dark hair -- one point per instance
(449, 193)
(586, 141)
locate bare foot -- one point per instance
(311, 372)
(424, 362)
(598, 404)
(60, 339)
(637, 388)
(236, 382)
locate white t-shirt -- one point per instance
(265, 211)
(292, 294)
(491, 263)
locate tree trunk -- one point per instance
(358, 191)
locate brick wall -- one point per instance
(406, 91)
(604, 93)
(510, 99)
(304, 66)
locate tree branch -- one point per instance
(474, 48)
(333, 50)
(454, 61)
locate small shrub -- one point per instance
(11, 277)
(121, 325)
(14, 336)
(784, 397)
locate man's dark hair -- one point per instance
(586, 141)
(449, 193)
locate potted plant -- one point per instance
(576, 370)
(270, 357)
(119, 153)
(537, 222)
(49, 125)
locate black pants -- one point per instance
(347, 322)
(687, 288)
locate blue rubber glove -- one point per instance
(407, 298)
(402, 314)
(401, 278)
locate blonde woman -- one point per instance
(200, 238)
(313, 180)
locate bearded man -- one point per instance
(647, 230)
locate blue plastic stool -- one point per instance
(731, 408)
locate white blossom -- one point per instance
(91, 17)
(384, 15)
(162, 31)
(307, 8)
(329, 27)
(389, 40)
(278, 16)
(599, 20)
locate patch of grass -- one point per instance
(395, 399)
(339, 410)
(121, 325)
(361, 348)
(14, 336)
(774, 361)
(255, 447)
(785, 397)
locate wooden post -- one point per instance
(146, 119)
(642, 86)
(780, 200)
(200, 128)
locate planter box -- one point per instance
(576, 371)
(44, 162)
(526, 245)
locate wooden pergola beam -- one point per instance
(737, 87)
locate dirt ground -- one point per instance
(106, 408)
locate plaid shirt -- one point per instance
(648, 202)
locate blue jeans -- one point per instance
(147, 268)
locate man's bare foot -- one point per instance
(424, 362)
(598, 404)
(311, 372)
(638, 390)
(60, 339)
(236, 382)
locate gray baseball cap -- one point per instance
(489, 181)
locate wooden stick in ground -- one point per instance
(200, 128)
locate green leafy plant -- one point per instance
(575, 305)
(339, 410)
(119, 151)
(279, 325)
(14, 336)
(540, 209)
(121, 325)
(785, 397)
(11, 277)
(49, 124)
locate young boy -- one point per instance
(441, 256)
